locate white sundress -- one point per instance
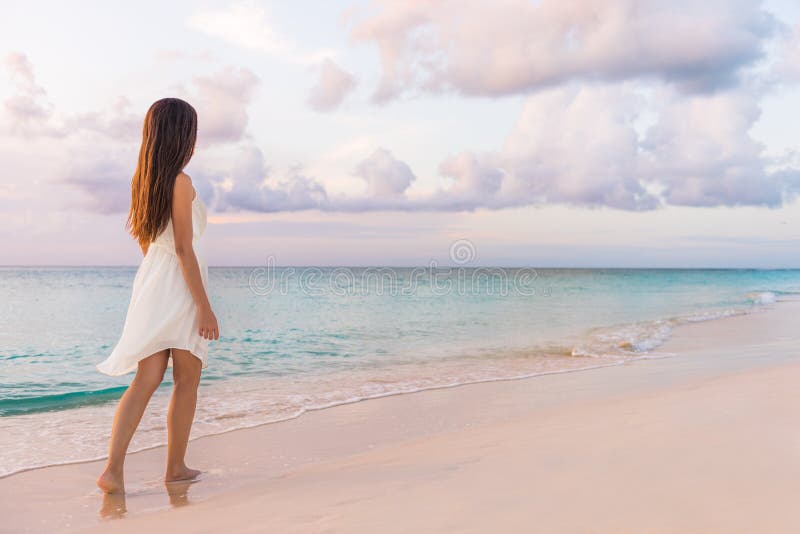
(162, 313)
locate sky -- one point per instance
(549, 133)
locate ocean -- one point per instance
(295, 339)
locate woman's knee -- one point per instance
(186, 380)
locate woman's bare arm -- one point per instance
(182, 226)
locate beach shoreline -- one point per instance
(336, 469)
(285, 355)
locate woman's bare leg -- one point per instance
(129, 413)
(186, 375)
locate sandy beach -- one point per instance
(703, 439)
(386, 266)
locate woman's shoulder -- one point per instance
(183, 177)
(183, 185)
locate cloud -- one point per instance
(250, 25)
(516, 46)
(180, 54)
(101, 167)
(584, 146)
(576, 145)
(244, 24)
(477, 179)
(628, 104)
(333, 85)
(596, 146)
(386, 176)
(105, 181)
(26, 112)
(221, 100)
(701, 154)
(581, 146)
(106, 184)
(118, 123)
(787, 67)
(249, 185)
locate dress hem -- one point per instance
(134, 366)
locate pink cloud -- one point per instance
(386, 176)
(221, 100)
(27, 112)
(516, 46)
(331, 88)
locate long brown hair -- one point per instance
(168, 137)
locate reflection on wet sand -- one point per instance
(113, 506)
(179, 492)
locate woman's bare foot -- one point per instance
(111, 482)
(180, 474)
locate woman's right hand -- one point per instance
(208, 324)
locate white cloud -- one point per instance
(245, 24)
(477, 180)
(222, 100)
(580, 146)
(385, 175)
(702, 154)
(576, 146)
(332, 87)
(248, 24)
(788, 63)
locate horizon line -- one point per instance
(254, 266)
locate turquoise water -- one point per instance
(295, 339)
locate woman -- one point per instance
(169, 320)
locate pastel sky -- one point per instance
(547, 133)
